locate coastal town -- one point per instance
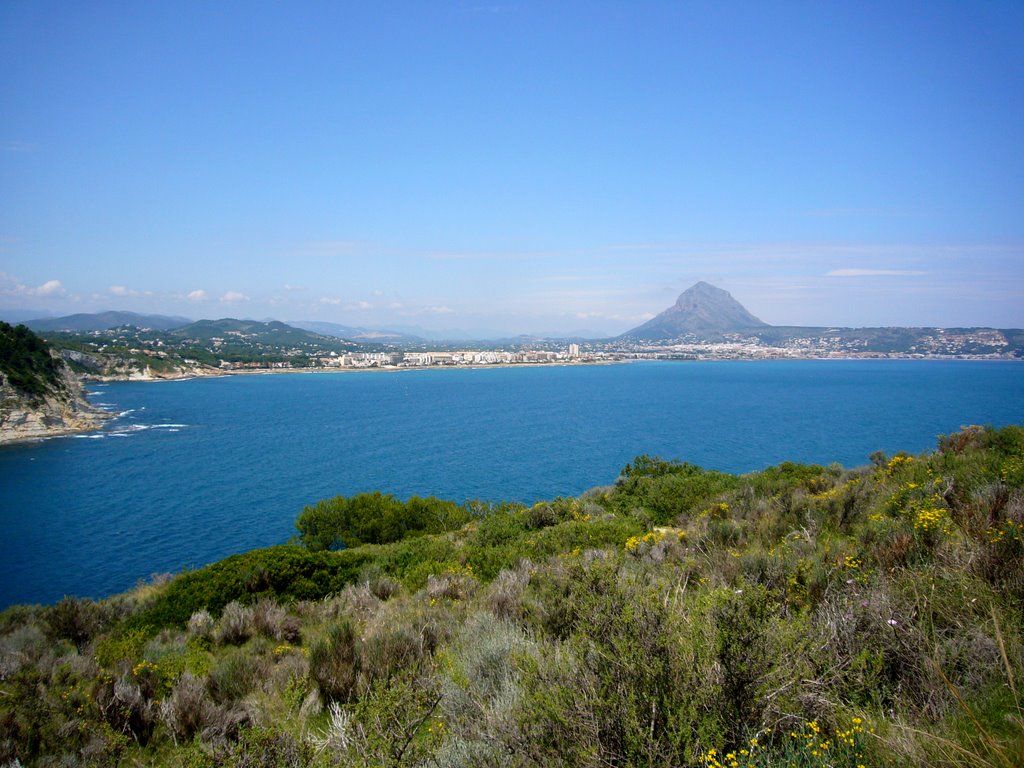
(705, 323)
(980, 345)
(143, 353)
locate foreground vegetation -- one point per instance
(800, 616)
(27, 364)
(206, 343)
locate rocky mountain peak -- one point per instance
(701, 308)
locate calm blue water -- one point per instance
(197, 470)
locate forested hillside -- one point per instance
(26, 361)
(802, 615)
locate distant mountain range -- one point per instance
(702, 314)
(393, 336)
(353, 333)
(700, 309)
(102, 321)
(254, 334)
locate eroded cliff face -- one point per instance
(115, 368)
(60, 412)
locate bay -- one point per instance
(196, 470)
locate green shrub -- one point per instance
(26, 361)
(235, 675)
(290, 572)
(335, 663)
(575, 632)
(268, 748)
(75, 620)
(742, 644)
(374, 518)
(669, 491)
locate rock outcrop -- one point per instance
(104, 367)
(702, 308)
(61, 411)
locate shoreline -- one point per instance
(93, 421)
(216, 373)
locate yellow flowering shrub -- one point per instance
(810, 746)
(633, 543)
(898, 462)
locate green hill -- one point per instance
(799, 616)
(26, 361)
(273, 333)
(100, 321)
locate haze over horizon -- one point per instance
(519, 166)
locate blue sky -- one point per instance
(521, 166)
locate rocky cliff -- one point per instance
(64, 413)
(40, 396)
(104, 367)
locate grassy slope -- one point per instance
(801, 615)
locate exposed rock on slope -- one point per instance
(702, 308)
(63, 413)
(104, 367)
(39, 395)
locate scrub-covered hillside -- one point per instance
(802, 615)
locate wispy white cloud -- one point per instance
(17, 146)
(233, 297)
(614, 316)
(439, 310)
(830, 213)
(197, 295)
(484, 255)
(49, 288)
(11, 286)
(461, 256)
(122, 290)
(577, 278)
(334, 301)
(328, 248)
(641, 246)
(858, 272)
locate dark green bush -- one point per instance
(26, 361)
(743, 647)
(575, 632)
(75, 620)
(287, 572)
(374, 518)
(235, 675)
(669, 491)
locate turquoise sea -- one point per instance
(196, 470)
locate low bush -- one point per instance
(235, 625)
(374, 518)
(280, 572)
(335, 662)
(775, 617)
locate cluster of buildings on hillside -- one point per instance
(456, 357)
(937, 343)
(979, 344)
